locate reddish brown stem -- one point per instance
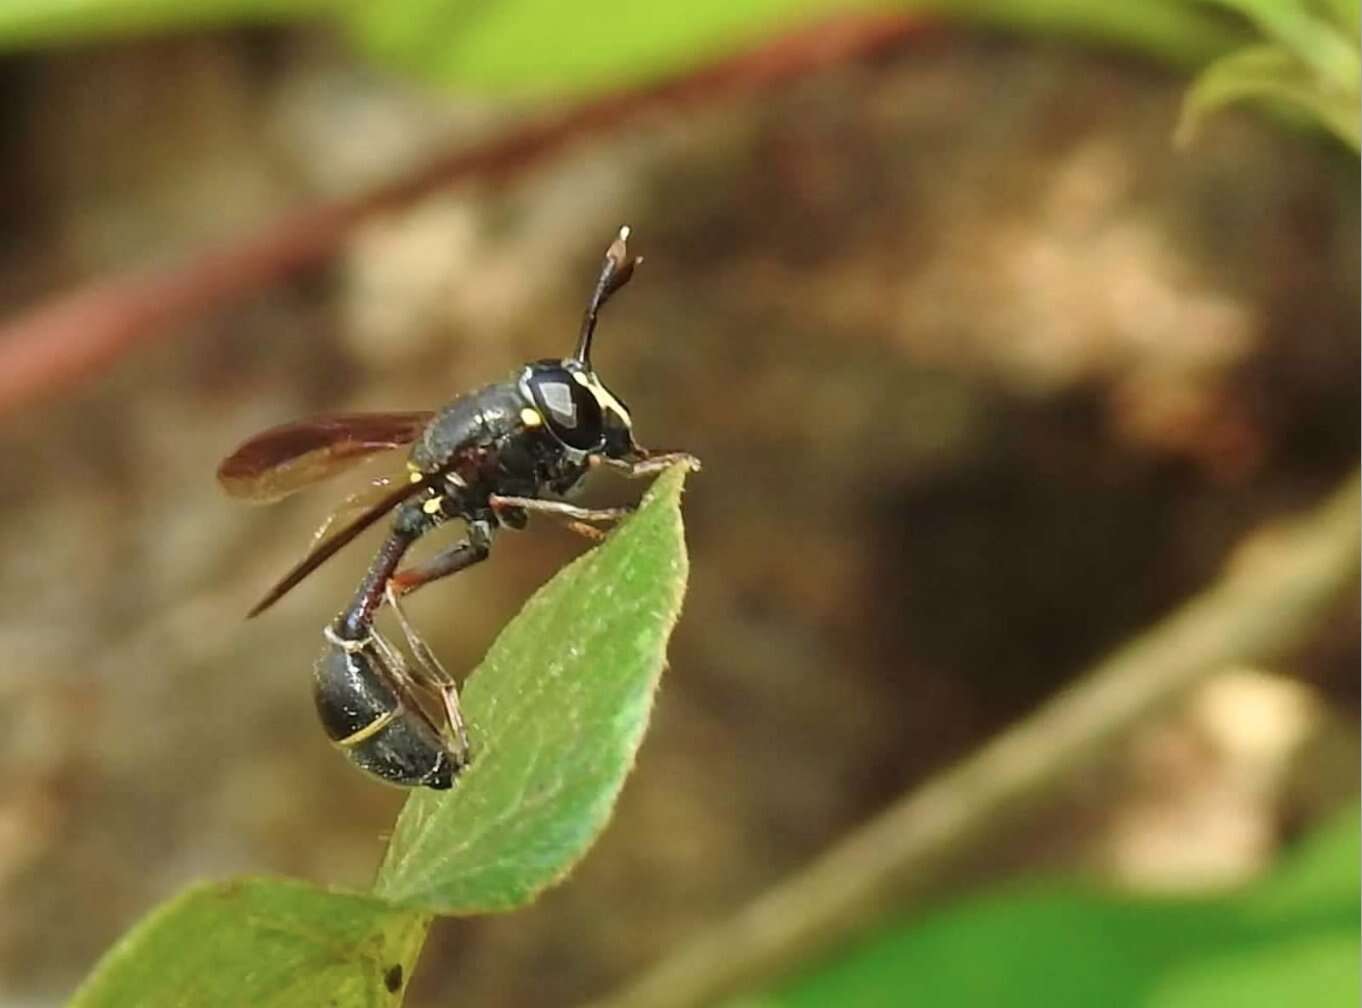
(74, 334)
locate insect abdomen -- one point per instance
(363, 715)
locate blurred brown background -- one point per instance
(975, 405)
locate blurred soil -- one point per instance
(985, 375)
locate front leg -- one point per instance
(575, 518)
(646, 464)
(559, 509)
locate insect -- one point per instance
(490, 458)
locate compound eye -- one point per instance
(569, 409)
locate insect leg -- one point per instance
(433, 675)
(456, 558)
(560, 509)
(649, 464)
(585, 531)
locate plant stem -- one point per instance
(1276, 589)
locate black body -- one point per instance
(476, 447)
(488, 459)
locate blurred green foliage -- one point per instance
(556, 713)
(536, 46)
(1291, 939)
(52, 22)
(1309, 62)
(546, 47)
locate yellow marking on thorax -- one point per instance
(370, 730)
(433, 506)
(530, 417)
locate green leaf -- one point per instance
(268, 943)
(1269, 71)
(1289, 939)
(556, 712)
(35, 22)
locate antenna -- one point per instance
(615, 273)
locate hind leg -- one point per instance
(428, 672)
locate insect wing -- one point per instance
(333, 543)
(287, 458)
